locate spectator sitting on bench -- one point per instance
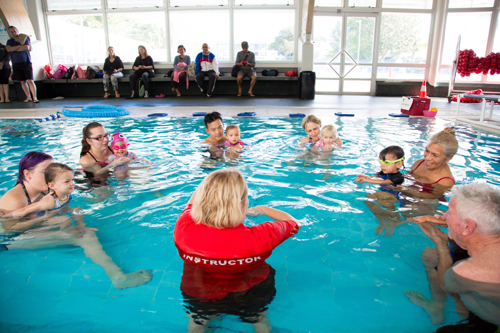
(143, 67)
(113, 67)
(206, 65)
(246, 60)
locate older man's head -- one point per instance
(474, 208)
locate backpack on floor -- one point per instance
(139, 87)
(91, 72)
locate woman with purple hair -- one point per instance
(30, 182)
(28, 189)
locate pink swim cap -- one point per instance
(118, 137)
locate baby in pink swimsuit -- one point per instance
(328, 136)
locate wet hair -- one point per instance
(480, 203)
(218, 200)
(145, 49)
(232, 127)
(394, 150)
(52, 171)
(180, 47)
(86, 135)
(211, 117)
(447, 140)
(329, 130)
(310, 119)
(29, 162)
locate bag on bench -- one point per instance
(191, 69)
(69, 73)
(91, 72)
(59, 72)
(270, 72)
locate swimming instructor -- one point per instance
(224, 260)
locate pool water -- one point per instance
(336, 275)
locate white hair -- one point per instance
(479, 203)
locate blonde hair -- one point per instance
(446, 140)
(329, 129)
(217, 202)
(232, 127)
(310, 119)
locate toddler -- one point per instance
(233, 138)
(391, 160)
(59, 179)
(328, 139)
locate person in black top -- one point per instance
(5, 70)
(143, 67)
(113, 67)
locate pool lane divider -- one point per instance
(157, 114)
(97, 111)
(340, 114)
(199, 114)
(52, 117)
(399, 115)
(247, 114)
(297, 115)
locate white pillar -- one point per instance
(437, 40)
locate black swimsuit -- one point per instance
(26, 192)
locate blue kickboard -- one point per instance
(158, 115)
(297, 115)
(247, 114)
(199, 114)
(340, 114)
(399, 115)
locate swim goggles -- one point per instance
(386, 162)
(123, 146)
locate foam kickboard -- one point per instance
(199, 114)
(247, 114)
(340, 114)
(158, 115)
(297, 115)
(399, 115)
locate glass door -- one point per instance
(343, 53)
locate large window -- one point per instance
(270, 42)
(162, 25)
(183, 31)
(404, 38)
(127, 31)
(77, 39)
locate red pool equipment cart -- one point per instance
(415, 106)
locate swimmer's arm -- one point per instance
(44, 204)
(436, 219)
(369, 179)
(338, 141)
(275, 214)
(445, 261)
(304, 140)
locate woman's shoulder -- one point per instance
(86, 159)
(13, 199)
(416, 164)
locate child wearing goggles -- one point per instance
(391, 159)
(120, 145)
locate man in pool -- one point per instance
(473, 220)
(215, 128)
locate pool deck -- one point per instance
(184, 106)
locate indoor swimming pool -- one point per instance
(342, 272)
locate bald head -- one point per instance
(206, 48)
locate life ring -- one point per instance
(94, 111)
